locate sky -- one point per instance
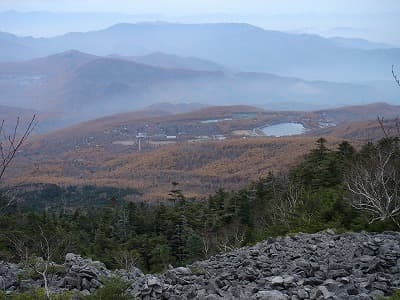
(376, 20)
(180, 7)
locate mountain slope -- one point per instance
(368, 130)
(11, 116)
(170, 61)
(14, 48)
(200, 168)
(56, 64)
(361, 112)
(115, 85)
(358, 44)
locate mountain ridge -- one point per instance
(236, 45)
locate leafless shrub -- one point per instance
(288, 196)
(230, 239)
(38, 253)
(127, 259)
(374, 181)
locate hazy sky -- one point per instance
(377, 20)
(179, 7)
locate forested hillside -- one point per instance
(318, 193)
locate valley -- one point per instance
(202, 150)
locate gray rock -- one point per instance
(323, 291)
(85, 293)
(94, 283)
(183, 271)
(305, 266)
(380, 286)
(70, 257)
(377, 294)
(72, 282)
(364, 296)
(85, 284)
(302, 294)
(27, 285)
(212, 297)
(332, 285)
(271, 295)
(277, 280)
(153, 281)
(288, 280)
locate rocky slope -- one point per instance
(305, 266)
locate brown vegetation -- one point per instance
(199, 167)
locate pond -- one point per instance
(283, 129)
(215, 120)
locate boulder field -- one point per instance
(305, 266)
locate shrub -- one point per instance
(114, 288)
(198, 271)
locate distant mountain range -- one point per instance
(84, 86)
(236, 46)
(359, 44)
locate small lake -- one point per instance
(215, 120)
(283, 129)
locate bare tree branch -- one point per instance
(374, 181)
(395, 76)
(382, 126)
(11, 143)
